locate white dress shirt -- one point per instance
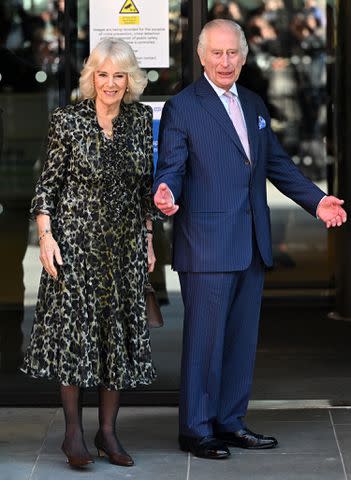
(220, 92)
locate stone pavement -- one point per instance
(314, 444)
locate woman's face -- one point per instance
(110, 83)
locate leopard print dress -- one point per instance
(90, 324)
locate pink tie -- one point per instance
(236, 117)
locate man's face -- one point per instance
(221, 56)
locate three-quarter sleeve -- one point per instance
(149, 210)
(49, 185)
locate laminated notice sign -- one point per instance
(141, 23)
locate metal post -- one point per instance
(343, 155)
(197, 19)
(70, 33)
(67, 51)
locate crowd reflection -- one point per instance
(28, 91)
(286, 66)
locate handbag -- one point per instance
(153, 312)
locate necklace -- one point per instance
(108, 133)
(106, 126)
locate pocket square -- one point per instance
(261, 122)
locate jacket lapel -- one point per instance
(213, 105)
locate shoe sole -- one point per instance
(261, 447)
(218, 457)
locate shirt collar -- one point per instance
(220, 91)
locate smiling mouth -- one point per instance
(110, 93)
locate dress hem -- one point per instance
(91, 384)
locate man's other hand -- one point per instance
(330, 211)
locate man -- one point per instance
(216, 151)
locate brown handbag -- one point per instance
(153, 312)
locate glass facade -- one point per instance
(42, 50)
(29, 90)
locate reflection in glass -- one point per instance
(28, 91)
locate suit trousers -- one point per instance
(221, 318)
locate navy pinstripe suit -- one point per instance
(221, 242)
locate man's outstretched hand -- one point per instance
(164, 200)
(330, 211)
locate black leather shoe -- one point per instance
(204, 447)
(244, 438)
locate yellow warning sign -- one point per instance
(129, 7)
(129, 20)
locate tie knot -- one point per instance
(231, 97)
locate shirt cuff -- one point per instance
(319, 204)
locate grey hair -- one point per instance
(223, 23)
(122, 55)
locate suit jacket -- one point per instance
(222, 196)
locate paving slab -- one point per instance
(343, 434)
(269, 467)
(30, 441)
(158, 466)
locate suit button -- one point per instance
(247, 162)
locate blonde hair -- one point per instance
(223, 23)
(121, 54)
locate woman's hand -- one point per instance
(49, 250)
(151, 259)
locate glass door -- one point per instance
(30, 85)
(43, 46)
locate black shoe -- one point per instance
(244, 438)
(204, 447)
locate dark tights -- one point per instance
(74, 444)
(106, 437)
(71, 397)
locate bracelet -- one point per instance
(150, 232)
(44, 233)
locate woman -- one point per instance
(93, 208)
